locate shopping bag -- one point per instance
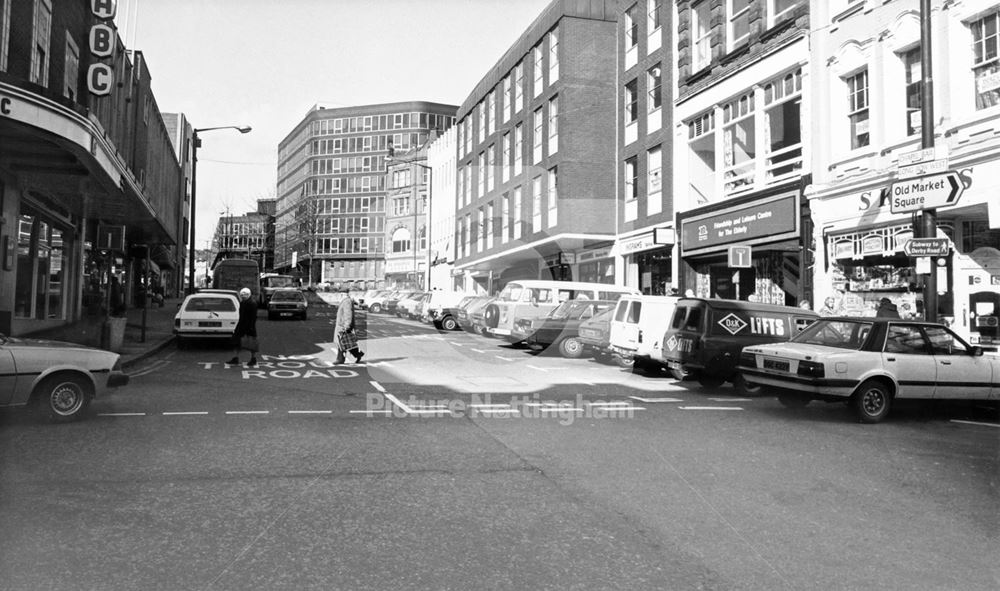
(249, 342)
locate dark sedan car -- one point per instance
(561, 328)
(595, 334)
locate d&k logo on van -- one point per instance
(732, 323)
(671, 343)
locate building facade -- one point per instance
(90, 186)
(247, 236)
(442, 155)
(742, 149)
(535, 144)
(642, 255)
(868, 108)
(331, 206)
(406, 215)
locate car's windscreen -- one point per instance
(287, 296)
(279, 282)
(841, 334)
(210, 305)
(563, 310)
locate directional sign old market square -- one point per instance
(925, 192)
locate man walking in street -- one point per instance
(245, 335)
(343, 333)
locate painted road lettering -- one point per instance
(286, 367)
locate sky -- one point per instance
(266, 63)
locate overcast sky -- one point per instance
(265, 63)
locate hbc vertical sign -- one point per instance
(100, 76)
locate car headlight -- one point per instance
(811, 369)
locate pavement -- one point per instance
(137, 343)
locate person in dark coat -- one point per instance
(887, 309)
(343, 331)
(245, 326)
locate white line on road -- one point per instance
(310, 412)
(370, 412)
(476, 350)
(975, 423)
(506, 358)
(200, 412)
(560, 409)
(730, 399)
(247, 412)
(121, 414)
(377, 386)
(454, 344)
(397, 402)
(613, 403)
(496, 411)
(648, 400)
(538, 368)
(710, 408)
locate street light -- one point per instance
(195, 144)
(427, 215)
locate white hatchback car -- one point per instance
(206, 315)
(870, 362)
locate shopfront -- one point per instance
(771, 225)
(862, 257)
(647, 259)
(596, 266)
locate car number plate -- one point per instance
(286, 313)
(210, 324)
(775, 364)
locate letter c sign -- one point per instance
(99, 79)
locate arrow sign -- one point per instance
(925, 192)
(927, 247)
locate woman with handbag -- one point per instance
(245, 335)
(343, 331)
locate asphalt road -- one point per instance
(449, 461)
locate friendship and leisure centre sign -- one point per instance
(767, 220)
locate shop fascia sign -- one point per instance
(658, 237)
(100, 75)
(766, 220)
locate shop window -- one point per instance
(986, 62)
(702, 157)
(41, 264)
(782, 111)
(739, 144)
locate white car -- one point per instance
(210, 315)
(59, 379)
(870, 362)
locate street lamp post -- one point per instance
(195, 144)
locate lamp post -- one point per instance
(195, 144)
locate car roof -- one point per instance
(214, 294)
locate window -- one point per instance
(481, 121)
(631, 179)
(536, 138)
(517, 212)
(481, 233)
(631, 27)
(468, 185)
(536, 204)
(506, 99)
(739, 143)
(467, 235)
(491, 108)
(538, 67)
(631, 102)
(914, 78)
(778, 10)
(4, 33)
(518, 87)
(42, 28)
(654, 83)
(553, 204)
(505, 158)
(505, 219)
(553, 125)
(701, 37)
(654, 15)
(491, 157)
(783, 120)
(654, 181)
(943, 342)
(489, 225)
(906, 339)
(71, 76)
(518, 147)
(401, 240)
(482, 174)
(553, 56)
(737, 23)
(985, 62)
(857, 96)
(468, 133)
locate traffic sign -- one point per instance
(925, 192)
(927, 247)
(739, 257)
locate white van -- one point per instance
(637, 329)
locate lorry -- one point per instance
(235, 274)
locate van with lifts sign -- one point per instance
(705, 336)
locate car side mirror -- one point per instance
(976, 351)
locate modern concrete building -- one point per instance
(536, 145)
(742, 149)
(90, 185)
(868, 125)
(330, 214)
(247, 236)
(642, 254)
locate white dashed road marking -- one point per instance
(710, 408)
(121, 414)
(170, 414)
(310, 412)
(247, 412)
(648, 400)
(975, 423)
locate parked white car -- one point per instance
(211, 315)
(870, 362)
(637, 329)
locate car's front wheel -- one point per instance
(872, 401)
(449, 323)
(746, 388)
(376, 308)
(62, 398)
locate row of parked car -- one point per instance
(791, 352)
